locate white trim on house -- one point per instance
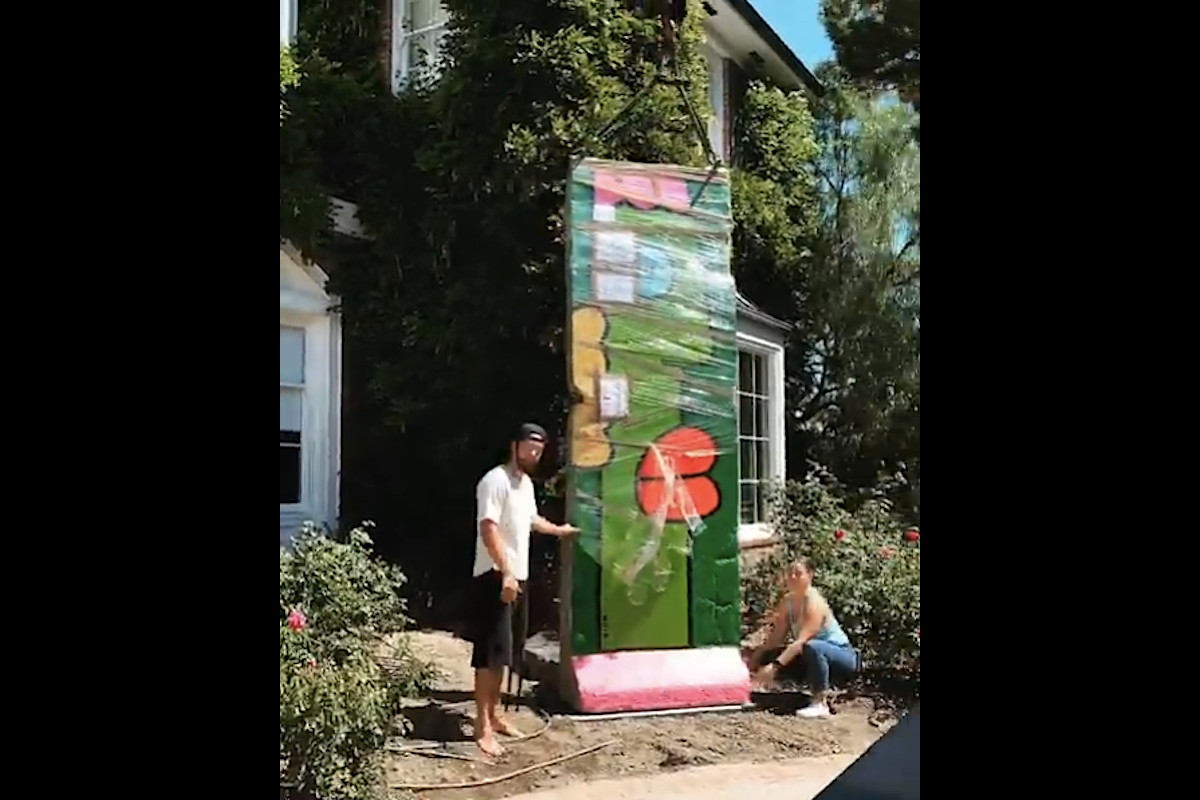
(751, 535)
(716, 42)
(745, 45)
(288, 17)
(343, 215)
(717, 123)
(304, 304)
(401, 67)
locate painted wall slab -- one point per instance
(652, 480)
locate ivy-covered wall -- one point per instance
(454, 312)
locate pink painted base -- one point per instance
(646, 680)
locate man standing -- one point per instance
(506, 512)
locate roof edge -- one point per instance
(747, 308)
(768, 34)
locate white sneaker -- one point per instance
(818, 711)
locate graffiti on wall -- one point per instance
(652, 429)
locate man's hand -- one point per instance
(548, 528)
(509, 589)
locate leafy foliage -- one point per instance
(336, 705)
(454, 311)
(878, 43)
(854, 360)
(868, 565)
(774, 196)
(303, 197)
(289, 75)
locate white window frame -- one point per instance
(293, 323)
(315, 433)
(288, 18)
(309, 308)
(400, 66)
(753, 534)
(715, 57)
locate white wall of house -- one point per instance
(744, 45)
(287, 20)
(309, 396)
(718, 96)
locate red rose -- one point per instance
(911, 536)
(312, 662)
(296, 620)
(840, 535)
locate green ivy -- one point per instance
(454, 312)
(289, 75)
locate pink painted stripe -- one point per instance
(645, 680)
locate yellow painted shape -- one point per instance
(589, 439)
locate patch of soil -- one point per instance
(642, 745)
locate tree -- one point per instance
(454, 311)
(775, 204)
(289, 75)
(878, 44)
(854, 363)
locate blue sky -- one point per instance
(798, 23)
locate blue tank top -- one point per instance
(831, 631)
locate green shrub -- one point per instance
(336, 704)
(289, 76)
(868, 565)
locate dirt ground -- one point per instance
(638, 746)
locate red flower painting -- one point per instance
(689, 454)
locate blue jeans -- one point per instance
(820, 656)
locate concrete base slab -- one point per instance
(644, 680)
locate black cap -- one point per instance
(530, 430)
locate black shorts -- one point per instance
(490, 622)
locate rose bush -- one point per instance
(867, 565)
(336, 704)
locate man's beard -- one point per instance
(527, 465)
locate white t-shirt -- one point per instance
(510, 503)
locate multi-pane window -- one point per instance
(420, 28)
(753, 438)
(716, 100)
(291, 412)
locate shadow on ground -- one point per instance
(435, 722)
(780, 702)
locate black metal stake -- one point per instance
(516, 659)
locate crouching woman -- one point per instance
(804, 638)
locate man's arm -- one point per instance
(489, 501)
(545, 526)
(489, 532)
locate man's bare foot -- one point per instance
(506, 728)
(488, 744)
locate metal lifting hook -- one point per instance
(671, 14)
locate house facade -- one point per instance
(738, 43)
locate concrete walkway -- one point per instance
(796, 779)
